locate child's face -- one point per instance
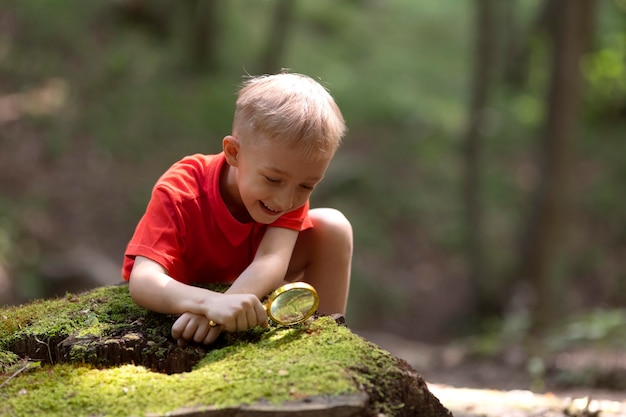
(272, 179)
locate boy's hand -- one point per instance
(196, 327)
(231, 312)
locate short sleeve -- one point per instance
(157, 235)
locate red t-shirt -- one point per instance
(188, 229)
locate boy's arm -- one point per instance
(151, 288)
(269, 266)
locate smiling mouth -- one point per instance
(271, 210)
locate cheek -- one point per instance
(302, 197)
(254, 186)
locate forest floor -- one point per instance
(492, 387)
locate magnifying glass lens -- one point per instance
(293, 305)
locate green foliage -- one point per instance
(596, 331)
(594, 328)
(401, 72)
(604, 67)
(600, 328)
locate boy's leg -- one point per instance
(323, 258)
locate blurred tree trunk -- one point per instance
(544, 248)
(150, 16)
(483, 78)
(518, 42)
(274, 50)
(515, 50)
(201, 27)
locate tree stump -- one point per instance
(98, 353)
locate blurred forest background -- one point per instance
(484, 171)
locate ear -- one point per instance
(231, 147)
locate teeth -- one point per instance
(269, 208)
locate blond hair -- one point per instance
(291, 109)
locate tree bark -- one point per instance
(545, 246)
(479, 100)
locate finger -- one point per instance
(201, 331)
(242, 321)
(179, 325)
(212, 335)
(230, 325)
(190, 329)
(261, 315)
(251, 317)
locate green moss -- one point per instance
(7, 359)
(81, 353)
(285, 364)
(320, 358)
(91, 313)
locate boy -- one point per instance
(242, 216)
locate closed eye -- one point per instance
(272, 180)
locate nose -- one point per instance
(285, 198)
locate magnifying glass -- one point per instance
(292, 303)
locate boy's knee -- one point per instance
(332, 221)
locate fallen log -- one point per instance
(97, 353)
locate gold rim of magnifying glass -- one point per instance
(289, 287)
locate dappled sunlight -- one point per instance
(522, 403)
